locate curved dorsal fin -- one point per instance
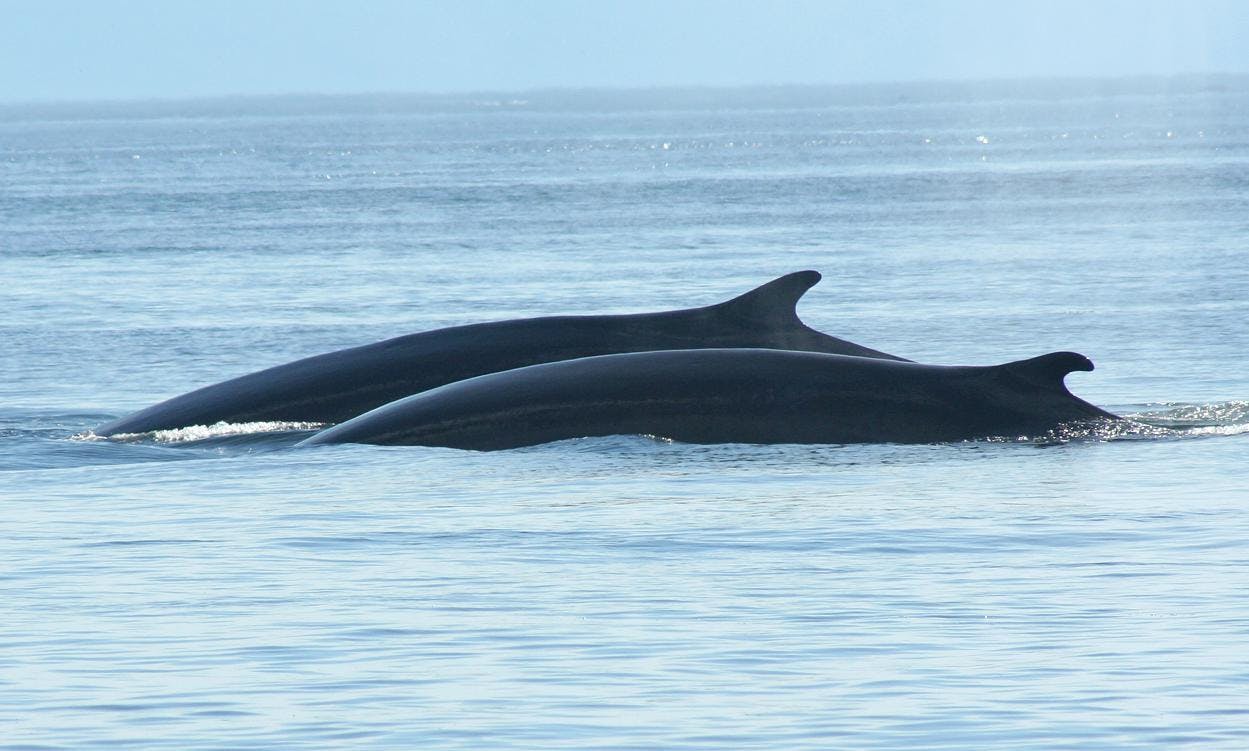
(775, 300)
(769, 311)
(1047, 371)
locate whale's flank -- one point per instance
(336, 386)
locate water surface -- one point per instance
(219, 589)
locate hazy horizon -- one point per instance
(67, 51)
(637, 99)
(517, 97)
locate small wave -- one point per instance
(203, 432)
(1194, 416)
(1162, 421)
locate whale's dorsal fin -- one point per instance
(1047, 371)
(770, 311)
(775, 300)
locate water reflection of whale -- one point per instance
(733, 396)
(336, 386)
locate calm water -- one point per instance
(219, 589)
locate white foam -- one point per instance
(201, 432)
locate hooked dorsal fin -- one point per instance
(1047, 371)
(769, 313)
(775, 300)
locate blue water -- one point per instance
(218, 588)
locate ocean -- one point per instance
(218, 588)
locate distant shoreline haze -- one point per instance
(625, 99)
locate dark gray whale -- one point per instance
(732, 396)
(339, 385)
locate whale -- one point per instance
(747, 395)
(332, 387)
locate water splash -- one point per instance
(202, 432)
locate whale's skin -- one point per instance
(733, 396)
(336, 386)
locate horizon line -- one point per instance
(516, 96)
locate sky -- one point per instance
(66, 50)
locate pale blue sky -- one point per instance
(109, 49)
